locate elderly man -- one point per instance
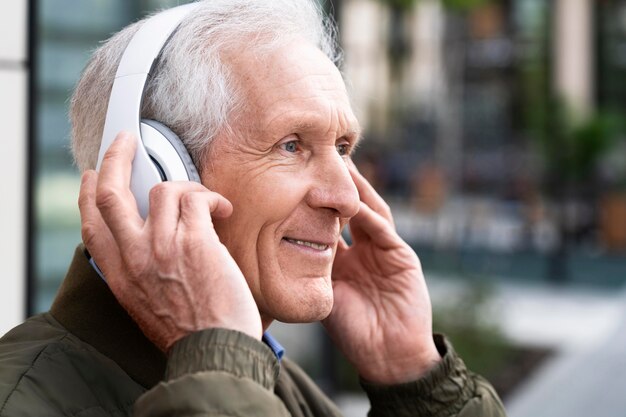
(165, 315)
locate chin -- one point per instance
(310, 315)
(302, 305)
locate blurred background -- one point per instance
(494, 128)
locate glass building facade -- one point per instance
(67, 33)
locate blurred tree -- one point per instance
(572, 149)
(458, 5)
(465, 5)
(400, 4)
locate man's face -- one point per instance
(284, 170)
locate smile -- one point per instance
(313, 245)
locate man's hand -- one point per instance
(170, 272)
(381, 319)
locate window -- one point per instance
(68, 31)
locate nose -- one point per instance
(333, 188)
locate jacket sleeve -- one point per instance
(447, 390)
(215, 372)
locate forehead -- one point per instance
(294, 83)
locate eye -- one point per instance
(343, 149)
(291, 146)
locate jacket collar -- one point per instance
(87, 308)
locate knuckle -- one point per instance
(112, 154)
(107, 197)
(189, 200)
(158, 191)
(86, 193)
(83, 200)
(88, 232)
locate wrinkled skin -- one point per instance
(260, 239)
(158, 268)
(285, 171)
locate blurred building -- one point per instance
(15, 67)
(491, 118)
(463, 72)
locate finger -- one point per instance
(164, 213)
(342, 245)
(197, 209)
(369, 195)
(368, 224)
(95, 234)
(113, 196)
(220, 206)
(165, 206)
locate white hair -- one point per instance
(191, 89)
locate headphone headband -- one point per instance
(124, 107)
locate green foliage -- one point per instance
(400, 4)
(572, 148)
(591, 140)
(465, 5)
(456, 5)
(474, 335)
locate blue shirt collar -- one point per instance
(273, 344)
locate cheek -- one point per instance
(267, 199)
(260, 205)
(258, 197)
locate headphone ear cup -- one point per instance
(168, 152)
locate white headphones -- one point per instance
(161, 155)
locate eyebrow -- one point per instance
(357, 134)
(353, 132)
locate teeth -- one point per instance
(316, 246)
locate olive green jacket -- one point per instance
(86, 357)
